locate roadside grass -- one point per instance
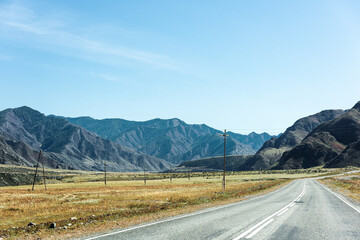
(125, 201)
(349, 184)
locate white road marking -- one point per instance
(282, 212)
(208, 210)
(342, 199)
(291, 205)
(259, 228)
(244, 234)
(185, 216)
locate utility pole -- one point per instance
(260, 175)
(144, 175)
(104, 172)
(36, 170)
(170, 174)
(37, 165)
(43, 170)
(224, 135)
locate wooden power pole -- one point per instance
(104, 172)
(36, 170)
(43, 170)
(170, 174)
(144, 175)
(224, 135)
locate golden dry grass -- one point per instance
(124, 201)
(348, 185)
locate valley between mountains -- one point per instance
(329, 138)
(163, 168)
(85, 143)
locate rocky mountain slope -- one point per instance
(233, 163)
(24, 131)
(334, 143)
(272, 150)
(349, 157)
(172, 139)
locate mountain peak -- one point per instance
(357, 106)
(176, 121)
(27, 110)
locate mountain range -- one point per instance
(85, 143)
(330, 138)
(273, 149)
(172, 139)
(25, 131)
(333, 143)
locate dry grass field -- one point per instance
(125, 200)
(348, 185)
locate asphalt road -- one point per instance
(304, 209)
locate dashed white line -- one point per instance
(185, 216)
(257, 227)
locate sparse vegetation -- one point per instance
(125, 200)
(349, 184)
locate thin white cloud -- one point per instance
(127, 82)
(109, 78)
(5, 57)
(16, 17)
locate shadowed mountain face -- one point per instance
(272, 150)
(173, 139)
(233, 163)
(334, 143)
(14, 152)
(349, 157)
(24, 131)
(8, 152)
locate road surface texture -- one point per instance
(304, 209)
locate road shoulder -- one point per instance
(346, 186)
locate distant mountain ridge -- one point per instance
(272, 150)
(233, 163)
(172, 139)
(24, 131)
(330, 138)
(334, 143)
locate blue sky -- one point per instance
(240, 65)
